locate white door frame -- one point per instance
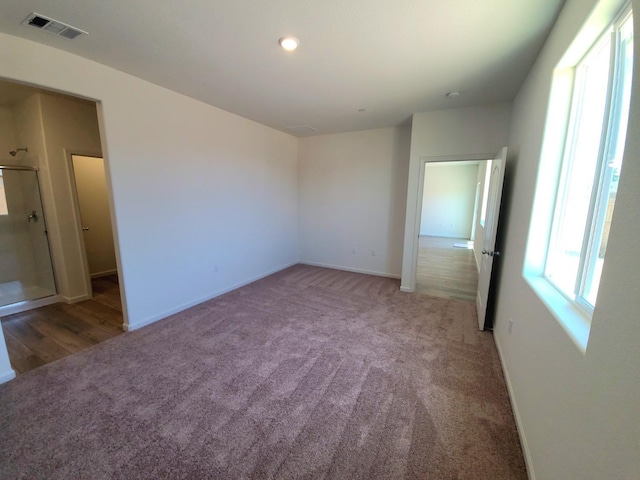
(411, 241)
(69, 153)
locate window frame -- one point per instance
(574, 314)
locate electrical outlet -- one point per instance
(353, 251)
(215, 268)
(373, 253)
(510, 325)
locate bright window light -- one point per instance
(591, 166)
(579, 170)
(485, 193)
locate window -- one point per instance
(591, 166)
(580, 167)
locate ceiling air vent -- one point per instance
(52, 26)
(301, 129)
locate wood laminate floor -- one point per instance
(446, 271)
(46, 334)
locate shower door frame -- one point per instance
(25, 305)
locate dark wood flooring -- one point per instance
(46, 334)
(446, 271)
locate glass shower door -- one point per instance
(26, 272)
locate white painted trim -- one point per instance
(8, 375)
(411, 242)
(406, 290)
(128, 327)
(516, 413)
(106, 273)
(349, 269)
(476, 157)
(573, 320)
(77, 299)
(29, 305)
(71, 178)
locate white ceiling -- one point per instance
(390, 57)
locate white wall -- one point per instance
(352, 188)
(194, 187)
(8, 259)
(7, 134)
(460, 131)
(448, 200)
(579, 413)
(27, 127)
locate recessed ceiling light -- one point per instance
(289, 43)
(453, 94)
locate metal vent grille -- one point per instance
(52, 26)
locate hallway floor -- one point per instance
(446, 271)
(46, 334)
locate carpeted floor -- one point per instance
(309, 373)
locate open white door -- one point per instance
(491, 229)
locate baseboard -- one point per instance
(77, 299)
(349, 269)
(6, 376)
(128, 327)
(106, 273)
(516, 413)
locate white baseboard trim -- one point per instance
(128, 327)
(77, 299)
(349, 269)
(104, 274)
(6, 376)
(29, 305)
(516, 413)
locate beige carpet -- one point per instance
(310, 373)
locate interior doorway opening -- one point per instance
(451, 210)
(484, 248)
(92, 214)
(51, 134)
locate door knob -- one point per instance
(85, 229)
(33, 216)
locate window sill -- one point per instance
(573, 320)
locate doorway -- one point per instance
(47, 129)
(446, 265)
(486, 247)
(94, 219)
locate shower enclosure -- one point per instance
(26, 272)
